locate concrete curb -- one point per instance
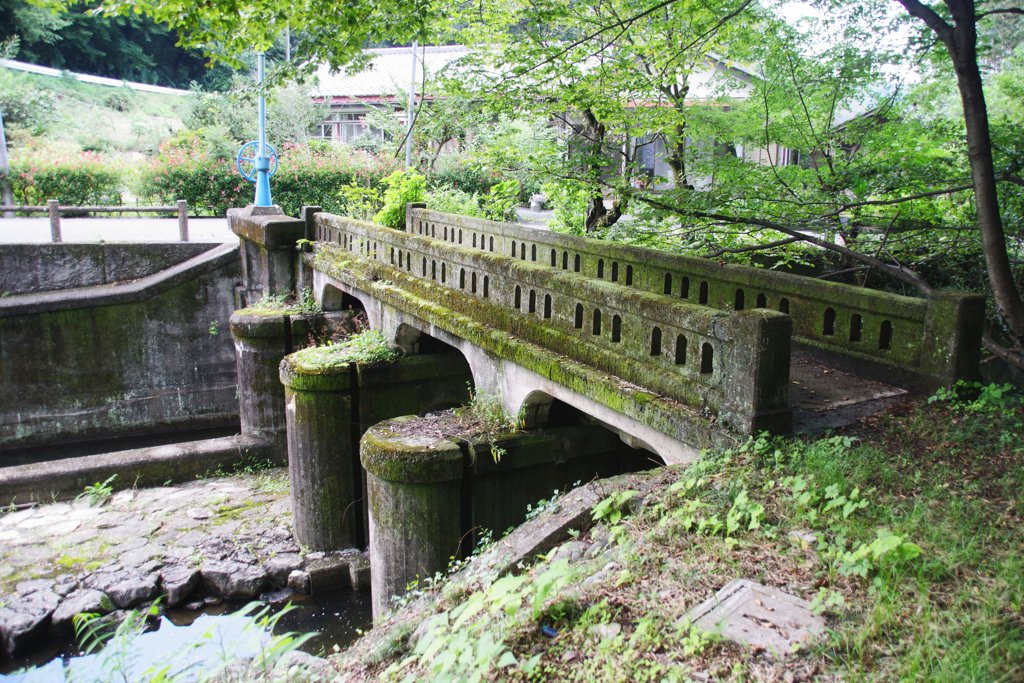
(112, 295)
(141, 467)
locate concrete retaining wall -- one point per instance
(101, 362)
(30, 268)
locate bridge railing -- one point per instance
(924, 342)
(731, 364)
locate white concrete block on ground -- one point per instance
(750, 613)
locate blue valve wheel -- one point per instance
(247, 160)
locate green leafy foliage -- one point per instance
(307, 175)
(370, 346)
(222, 31)
(98, 493)
(23, 105)
(402, 187)
(303, 302)
(977, 397)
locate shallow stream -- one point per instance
(185, 639)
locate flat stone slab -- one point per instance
(762, 617)
(823, 397)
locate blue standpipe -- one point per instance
(262, 160)
(257, 161)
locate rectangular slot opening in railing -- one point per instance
(926, 342)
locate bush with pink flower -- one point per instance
(306, 175)
(74, 178)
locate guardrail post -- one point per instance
(53, 208)
(183, 220)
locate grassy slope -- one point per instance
(91, 123)
(943, 477)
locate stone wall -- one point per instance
(105, 362)
(30, 268)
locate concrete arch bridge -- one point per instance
(672, 353)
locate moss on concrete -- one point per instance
(410, 459)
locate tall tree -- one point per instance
(614, 73)
(958, 32)
(128, 47)
(331, 33)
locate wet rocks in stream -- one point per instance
(187, 545)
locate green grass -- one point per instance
(146, 103)
(90, 122)
(917, 565)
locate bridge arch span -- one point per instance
(516, 385)
(332, 298)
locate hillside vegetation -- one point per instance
(904, 532)
(91, 117)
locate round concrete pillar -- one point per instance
(262, 338)
(326, 512)
(414, 486)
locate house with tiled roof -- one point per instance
(385, 83)
(352, 96)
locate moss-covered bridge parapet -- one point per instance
(652, 357)
(923, 343)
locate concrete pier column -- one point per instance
(260, 344)
(262, 339)
(414, 483)
(326, 512)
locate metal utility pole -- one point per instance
(410, 111)
(5, 169)
(263, 159)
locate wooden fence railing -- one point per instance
(54, 209)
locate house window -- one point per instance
(346, 126)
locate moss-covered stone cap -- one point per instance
(394, 450)
(258, 322)
(318, 368)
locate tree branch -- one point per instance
(889, 202)
(1015, 179)
(1008, 10)
(842, 272)
(1012, 357)
(928, 16)
(753, 247)
(624, 23)
(901, 274)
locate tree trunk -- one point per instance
(597, 215)
(961, 40)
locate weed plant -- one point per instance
(369, 346)
(303, 302)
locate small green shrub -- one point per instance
(25, 106)
(123, 99)
(450, 199)
(570, 205)
(370, 346)
(500, 203)
(403, 187)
